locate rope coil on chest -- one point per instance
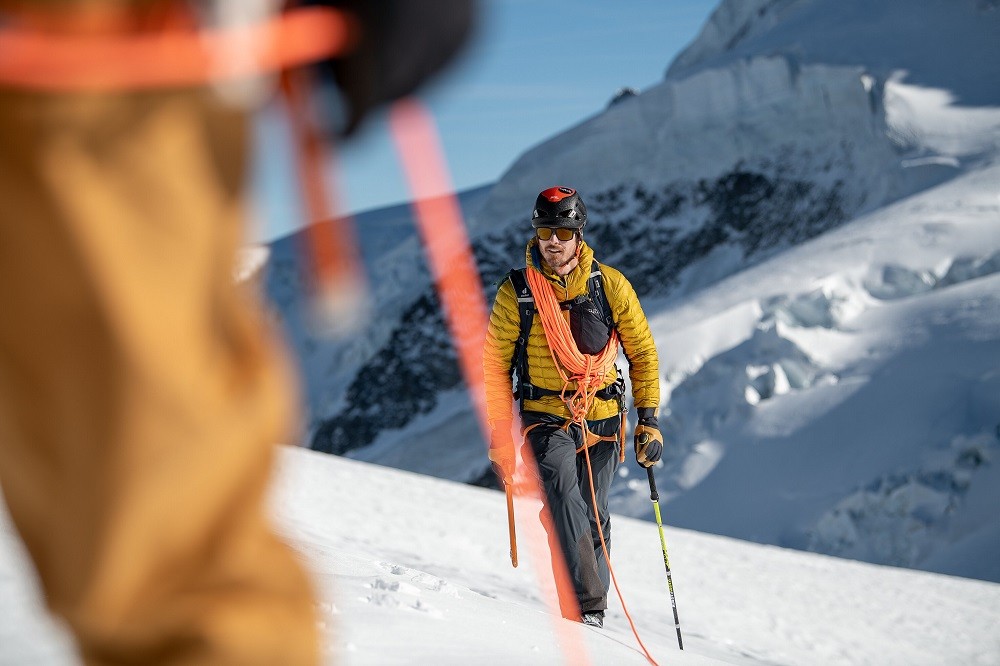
(589, 372)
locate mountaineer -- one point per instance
(555, 328)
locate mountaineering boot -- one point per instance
(594, 619)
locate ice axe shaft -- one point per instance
(510, 524)
(655, 497)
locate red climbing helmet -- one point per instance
(559, 207)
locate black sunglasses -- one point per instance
(562, 233)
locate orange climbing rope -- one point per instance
(589, 372)
(439, 220)
(126, 59)
(111, 50)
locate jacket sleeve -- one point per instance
(636, 338)
(501, 334)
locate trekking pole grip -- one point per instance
(653, 495)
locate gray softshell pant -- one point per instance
(563, 474)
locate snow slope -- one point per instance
(947, 44)
(844, 396)
(809, 208)
(414, 570)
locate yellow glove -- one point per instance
(648, 440)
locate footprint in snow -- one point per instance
(394, 594)
(408, 593)
(423, 579)
(394, 569)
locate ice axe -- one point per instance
(510, 522)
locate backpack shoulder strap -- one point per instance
(525, 301)
(526, 312)
(595, 285)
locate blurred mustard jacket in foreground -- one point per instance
(140, 402)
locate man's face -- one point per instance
(557, 253)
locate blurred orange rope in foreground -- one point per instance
(80, 61)
(439, 219)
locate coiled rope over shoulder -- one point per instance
(589, 372)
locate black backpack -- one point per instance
(591, 322)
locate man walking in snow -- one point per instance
(571, 394)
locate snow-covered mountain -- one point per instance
(414, 570)
(809, 208)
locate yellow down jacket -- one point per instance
(504, 325)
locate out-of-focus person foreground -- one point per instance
(141, 392)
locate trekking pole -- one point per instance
(655, 497)
(510, 524)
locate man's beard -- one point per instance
(556, 264)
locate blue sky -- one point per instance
(533, 69)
